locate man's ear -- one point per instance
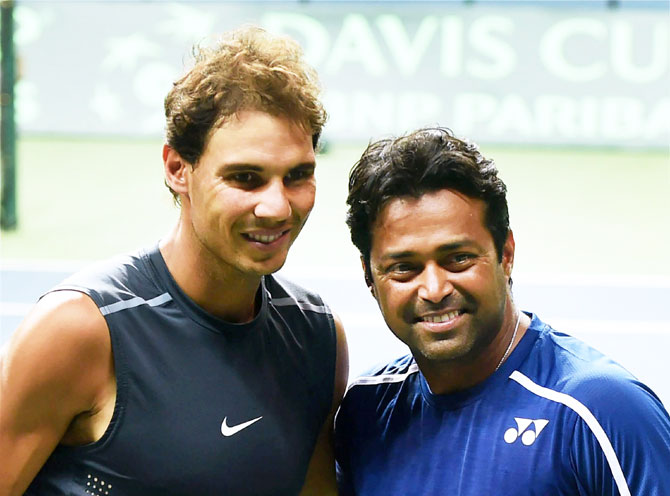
(176, 170)
(508, 254)
(368, 278)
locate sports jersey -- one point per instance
(203, 406)
(557, 419)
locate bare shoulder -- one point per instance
(57, 367)
(63, 334)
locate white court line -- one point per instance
(9, 309)
(373, 319)
(362, 320)
(349, 273)
(618, 327)
(42, 265)
(354, 273)
(606, 280)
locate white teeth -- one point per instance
(441, 318)
(264, 239)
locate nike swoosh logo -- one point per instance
(228, 431)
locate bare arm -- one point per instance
(55, 369)
(320, 480)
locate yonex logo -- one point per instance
(528, 436)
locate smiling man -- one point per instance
(187, 368)
(491, 400)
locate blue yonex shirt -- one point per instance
(557, 419)
(203, 407)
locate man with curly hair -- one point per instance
(187, 368)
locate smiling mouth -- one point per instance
(264, 238)
(444, 317)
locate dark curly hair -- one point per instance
(424, 161)
(249, 69)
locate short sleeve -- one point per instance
(623, 446)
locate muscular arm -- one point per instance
(54, 371)
(320, 480)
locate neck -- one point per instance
(215, 286)
(450, 376)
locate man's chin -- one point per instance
(439, 352)
(267, 267)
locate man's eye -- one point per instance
(299, 175)
(460, 261)
(246, 179)
(243, 177)
(401, 270)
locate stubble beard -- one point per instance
(465, 347)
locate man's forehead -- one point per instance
(447, 202)
(439, 221)
(240, 115)
(257, 137)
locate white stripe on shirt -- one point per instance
(135, 302)
(384, 378)
(591, 422)
(304, 305)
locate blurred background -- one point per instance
(570, 98)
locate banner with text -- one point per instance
(524, 74)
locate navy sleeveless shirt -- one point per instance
(204, 406)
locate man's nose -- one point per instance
(273, 202)
(434, 283)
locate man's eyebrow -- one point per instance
(399, 255)
(305, 165)
(241, 167)
(456, 245)
(447, 247)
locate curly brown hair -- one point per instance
(249, 69)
